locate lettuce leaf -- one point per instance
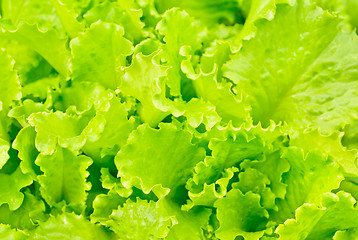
(87, 56)
(321, 221)
(299, 82)
(178, 120)
(68, 173)
(136, 160)
(10, 189)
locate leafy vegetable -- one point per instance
(178, 120)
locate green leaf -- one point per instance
(296, 74)
(345, 8)
(112, 183)
(256, 10)
(64, 177)
(337, 212)
(122, 12)
(351, 9)
(173, 25)
(346, 235)
(24, 143)
(81, 96)
(67, 130)
(150, 12)
(10, 85)
(110, 112)
(139, 220)
(253, 149)
(145, 80)
(68, 19)
(167, 151)
(226, 153)
(178, 119)
(26, 59)
(209, 12)
(240, 215)
(188, 224)
(10, 187)
(78, 6)
(101, 60)
(310, 176)
(10, 91)
(47, 43)
(256, 182)
(40, 12)
(274, 167)
(7, 233)
(28, 106)
(350, 186)
(69, 226)
(117, 128)
(104, 205)
(196, 112)
(350, 138)
(335, 6)
(46, 13)
(26, 216)
(4, 148)
(210, 85)
(84, 95)
(208, 193)
(329, 144)
(41, 87)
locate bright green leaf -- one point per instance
(99, 61)
(10, 188)
(64, 177)
(168, 152)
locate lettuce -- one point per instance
(178, 120)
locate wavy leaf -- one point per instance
(64, 177)
(167, 151)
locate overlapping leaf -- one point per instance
(167, 151)
(179, 120)
(64, 177)
(337, 212)
(100, 61)
(296, 74)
